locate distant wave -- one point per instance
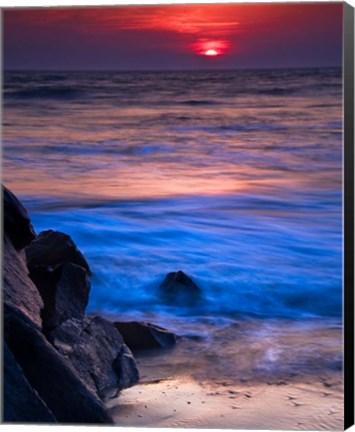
(277, 91)
(198, 102)
(44, 92)
(245, 128)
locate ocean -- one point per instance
(234, 177)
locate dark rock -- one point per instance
(49, 373)
(18, 289)
(51, 248)
(64, 290)
(97, 352)
(17, 224)
(22, 404)
(178, 288)
(140, 336)
(126, 369)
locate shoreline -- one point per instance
(186, 403)
(191, 386)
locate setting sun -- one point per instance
(211, 53)
(210, 47)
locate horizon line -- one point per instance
(173, 70)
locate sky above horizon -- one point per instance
(174, 37)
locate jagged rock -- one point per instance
(97, 352)
(51, 248)
(64, 290)
(61, 274)
(22, 403)
(17, 224)
(18, 289)
(49, 373)
(178, 288)
(140, 336)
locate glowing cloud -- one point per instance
(142, 37)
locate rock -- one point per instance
(49, 373)
(178, 288)
(64, 290)
(126, 369)
(97, 352)
(51, 248)
(18, 289)
(17, 224)
(22, 404)
(140, 336)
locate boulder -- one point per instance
(64, 290)
(51, 248)
(49, 373)
(17, 224)
(22, 404)
(18, 288)
(178, 288)
(97, 352)
(141, 336)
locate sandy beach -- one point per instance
(185, 403)
(199, 384)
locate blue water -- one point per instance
(233, 177)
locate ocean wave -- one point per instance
(249, 255)
(198, 102)
(45, 92)
(245, 127)
(252, 207)
(277, 91)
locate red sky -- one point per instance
(174, 36)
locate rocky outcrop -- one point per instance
(18, 289)
(92, 346)
(62, 276)
(142, 336)
(17, 224)
(51, 248)
(178, 288)
(21, 401)
(64, 290)
(49, 373)
(97, 352)
(57, 360)
(60, 363)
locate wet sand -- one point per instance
(240, 375)
(184, 402)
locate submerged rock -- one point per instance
(17, 224)
(97, 352)
(64, 290)
(140, 336)
(49, 373)
(22, 404)
(51, 248)
(179, 288)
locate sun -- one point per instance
(211, 53)
(210, 47)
